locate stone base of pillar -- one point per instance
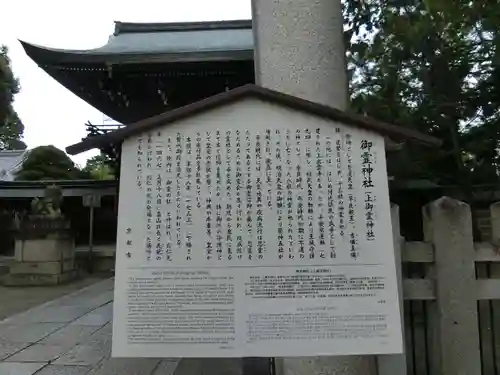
(45, 261)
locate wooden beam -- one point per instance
(486, 252)
(419, 289)
(417, 252)
(422, 252)
(424, 289)
(488, 289)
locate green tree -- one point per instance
(49, 163)
(100, 167)
(431, 65)
(11, 127)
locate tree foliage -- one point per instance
(433, 65)
(49, 163)
(11, 126)
(100, 167)
(9, 86)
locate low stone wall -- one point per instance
(48, 261)
(103, 258)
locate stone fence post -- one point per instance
(395, 364)
(453, 316)
(494, 308)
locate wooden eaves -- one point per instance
(393, 132)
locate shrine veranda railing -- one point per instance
(451, 295)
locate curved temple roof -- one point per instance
(186, 41)
(10, 163)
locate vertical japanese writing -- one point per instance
(279, 193)
(259, 197)
(128, 232)
(168, 199)
(367, 184)
(218, 229)
(351, 216)
(208, 199)
(168, 157)
(188, 197)
(269, 169)
(159, 165)
(235, 194)
(149, 153)
(340, 182)
(178, 177)
(320, 168)
(198, 170)
(249, 208)
(140, 157)
(168, 232)
(218, 193)
(229, 196)
(159, 154)
(149, 197)
(330, 198)
(289, 193)
(299, 185)
(239, 207)
(310, 196)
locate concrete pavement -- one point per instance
(70, 336)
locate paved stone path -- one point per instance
(14, 300)
(72, 336)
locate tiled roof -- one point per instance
(10, 163)
(166, 41)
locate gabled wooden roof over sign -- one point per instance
(253, 91)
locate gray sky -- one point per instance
(52, 114)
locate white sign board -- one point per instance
(91, 200)
(254, 230)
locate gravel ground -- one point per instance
(17, 299)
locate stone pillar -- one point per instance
(495, 223)
(453, 317)
(300, 51)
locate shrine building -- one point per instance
(148, 68)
